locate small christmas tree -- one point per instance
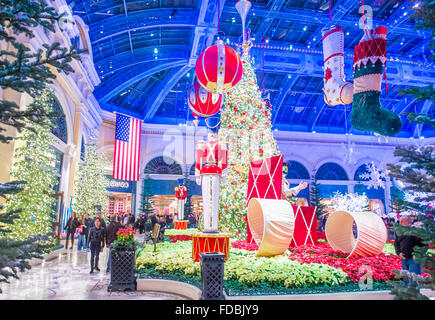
(316, 201)
(91, 182)
(188, 204)
(33, 162)
(147, 197)
(246, 128)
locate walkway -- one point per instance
(68, 278)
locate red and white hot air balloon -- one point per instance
(219, 68)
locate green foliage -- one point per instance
(416, 169)
(188, 204)
(147, 195)
(24, 71)
(91, 182)
(315, 199)
(425, 19)
(33, 162)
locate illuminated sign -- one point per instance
(120, 186)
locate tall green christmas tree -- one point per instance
(246, 128)
(91, 182)
(22, 70)
(147, 196)
(33, 162)
(416, 170)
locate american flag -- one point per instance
(127, 147)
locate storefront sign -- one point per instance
(114, 185)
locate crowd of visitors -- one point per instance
(95, 234)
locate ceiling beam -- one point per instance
(160, 92)
(275, 7)
(142, 20)
(308, 16)
(418, 127)
(119, 82)
(338, 12)
(280, 97)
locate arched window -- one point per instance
(59, 121)
(163, 165)
(296, 170)
(331, 171)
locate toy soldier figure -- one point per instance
(211, 169)
(181, 195)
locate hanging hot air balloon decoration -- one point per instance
(218, 68)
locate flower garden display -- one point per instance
(371, 238)
(218, 68)
(272, 224)
(123, 253)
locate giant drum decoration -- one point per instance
(371, 233)
(202, 102)
(272, 224)
(219, 68)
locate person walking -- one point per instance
(70, 228)
(89, 224)
(82, 234)
(404, 246)
(112, 229)
(96, 242)
(102, 222)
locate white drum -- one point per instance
(272, 224)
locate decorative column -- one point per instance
(387, 192)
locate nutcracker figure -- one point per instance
(181, 195)
(210, 171)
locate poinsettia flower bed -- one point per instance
(381, 265)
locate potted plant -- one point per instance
(123, 261)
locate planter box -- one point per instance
(122, 270)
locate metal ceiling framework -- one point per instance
(145, 53)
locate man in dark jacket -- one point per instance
(98, 216)
(89, 224)
(404, 246)
(96, 241)
(70, 228)
(112, 229)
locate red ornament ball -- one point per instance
(202, 102)
(219, 68)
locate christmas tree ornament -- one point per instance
(374, 177)
(370, 56)
(202, 102)
(243, 7)
(218, 68)
(335, 90)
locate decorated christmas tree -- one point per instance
(147, 196)
(246, 128)
(27, 71)
(91, 182)
(33, 162)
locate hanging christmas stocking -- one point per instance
(370, 56)
(336, 90)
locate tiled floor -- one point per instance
(68, 278)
